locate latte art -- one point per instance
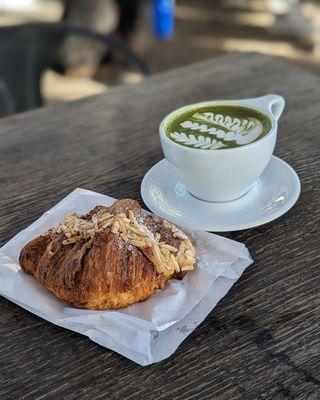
(218, 127)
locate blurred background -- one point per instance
(55, 50)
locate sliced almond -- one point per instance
(136, 230)
(165, 253)
(104, 218)
(175, 263)
(187, 268)
(122, 225)
(124, 237)
(168, 247)
(115, 227)
(138, 243)
(105, 224)
(157, 236)
(148, 242)
(131, 216)
(180, 235)
(156, 253)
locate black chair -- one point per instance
(27, 50)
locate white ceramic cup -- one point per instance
(224, 174)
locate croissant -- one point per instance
(109, 258)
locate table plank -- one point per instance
(263, 340)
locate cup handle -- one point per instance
(272, 103)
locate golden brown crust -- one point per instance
(104, 272)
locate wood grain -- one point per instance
(263, 340)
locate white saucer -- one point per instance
(271, 196)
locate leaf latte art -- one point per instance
(218, 127)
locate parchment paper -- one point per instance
(145, 332)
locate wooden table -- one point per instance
(263, 340)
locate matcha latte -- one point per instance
(213, 127)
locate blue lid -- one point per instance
(163, 18)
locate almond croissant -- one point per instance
(109, 258)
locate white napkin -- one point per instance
(145, 332)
